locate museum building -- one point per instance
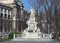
(9, 9)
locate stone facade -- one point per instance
(9, 9)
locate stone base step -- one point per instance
(31, 39)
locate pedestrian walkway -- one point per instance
(31, 39)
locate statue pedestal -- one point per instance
(31, 35)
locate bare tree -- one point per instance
(36, 4)
(50, 9)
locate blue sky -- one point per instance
(26, 4)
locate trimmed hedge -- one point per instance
(10, 36)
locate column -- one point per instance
(21, 12)
(0, 14)
(3, 18)
(14, 20)
(7, 19)
(10, 20)
(7, 12)
(10, 13)
(14, 25)
(21, 17)
(0, 10)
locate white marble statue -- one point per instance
(32, 31)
